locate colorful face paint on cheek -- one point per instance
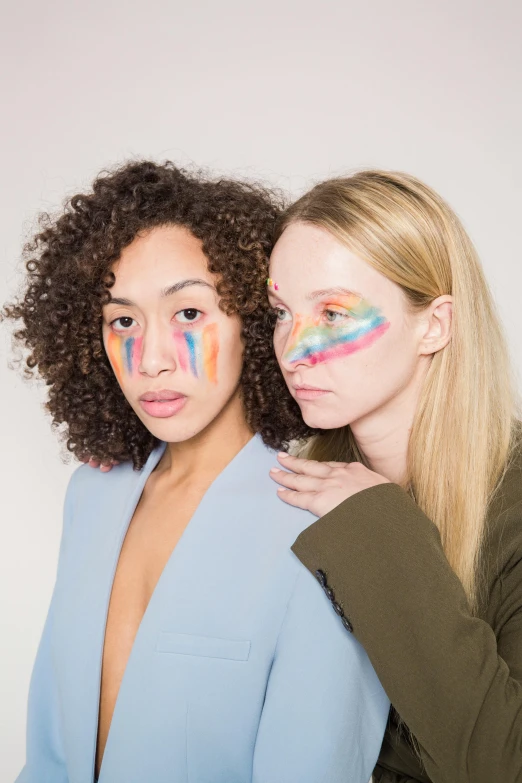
(124, 354)
(210, 351)
(316, 342)
(114, 353)
(198, 352)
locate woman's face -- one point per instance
(176, 355)
(345, 339)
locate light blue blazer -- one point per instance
(241, 671)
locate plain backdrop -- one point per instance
(289, 92)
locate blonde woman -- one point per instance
(388, 339)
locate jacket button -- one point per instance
(338, 609)
(321, 578)
(329, 592)
(347, 624)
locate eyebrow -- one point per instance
(337, 291)
(333, 292)
(171, 289)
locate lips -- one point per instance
(305, 387)
(161, 396)
(162, 404)
(306, 392)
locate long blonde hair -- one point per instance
(463, 430)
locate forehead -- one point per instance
(311, 247)
(309, 258)
(160, 257)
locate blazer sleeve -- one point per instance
(455, 681)
(45, 756)
(325, 712)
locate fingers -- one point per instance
(104, 467)
(302, 500)
(308, 467)
(296, 482)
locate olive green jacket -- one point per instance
(454, 679)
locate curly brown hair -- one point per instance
(69, 264)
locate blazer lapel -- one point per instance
(96, 537)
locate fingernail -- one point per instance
(282, 454)
(275, 470)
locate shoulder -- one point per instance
(87, 481)
(89, 487)
(261, 491)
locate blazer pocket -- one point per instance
(203, 646)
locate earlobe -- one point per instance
(438, 319)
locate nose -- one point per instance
(157, 352)
(297, 347)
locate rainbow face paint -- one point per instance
(315, 341)
(124, 354)
(198, 351)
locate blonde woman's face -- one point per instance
(346, 342)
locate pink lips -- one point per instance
(305, 392)
(162, 404)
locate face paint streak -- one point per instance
(353, 303)
(192, 341)
(127, 347)
(346, 348)
(296, 329)
(114, 354)
(317, 343)
(317, 338)
(210, 351)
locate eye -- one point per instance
(280, 314)
(335, 317)
(188, 316)
(123, 324)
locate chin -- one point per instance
(325, 420)
(174, 429)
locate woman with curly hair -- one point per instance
(184, 641)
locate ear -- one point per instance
(437, 322)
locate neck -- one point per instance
(204, 456)
(383, 436)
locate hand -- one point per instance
(92, 462)
(321, 486)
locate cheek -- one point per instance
(124, 354)
(371, 378)
(231, 354)
(198, 352)
(114, 352)
(316, 343)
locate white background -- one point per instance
(289, 92)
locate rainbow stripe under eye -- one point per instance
(315, 342)
(124, 354)
(197, 351)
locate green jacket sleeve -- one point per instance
(454, 679)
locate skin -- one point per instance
(375, 387)
(202, 438)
